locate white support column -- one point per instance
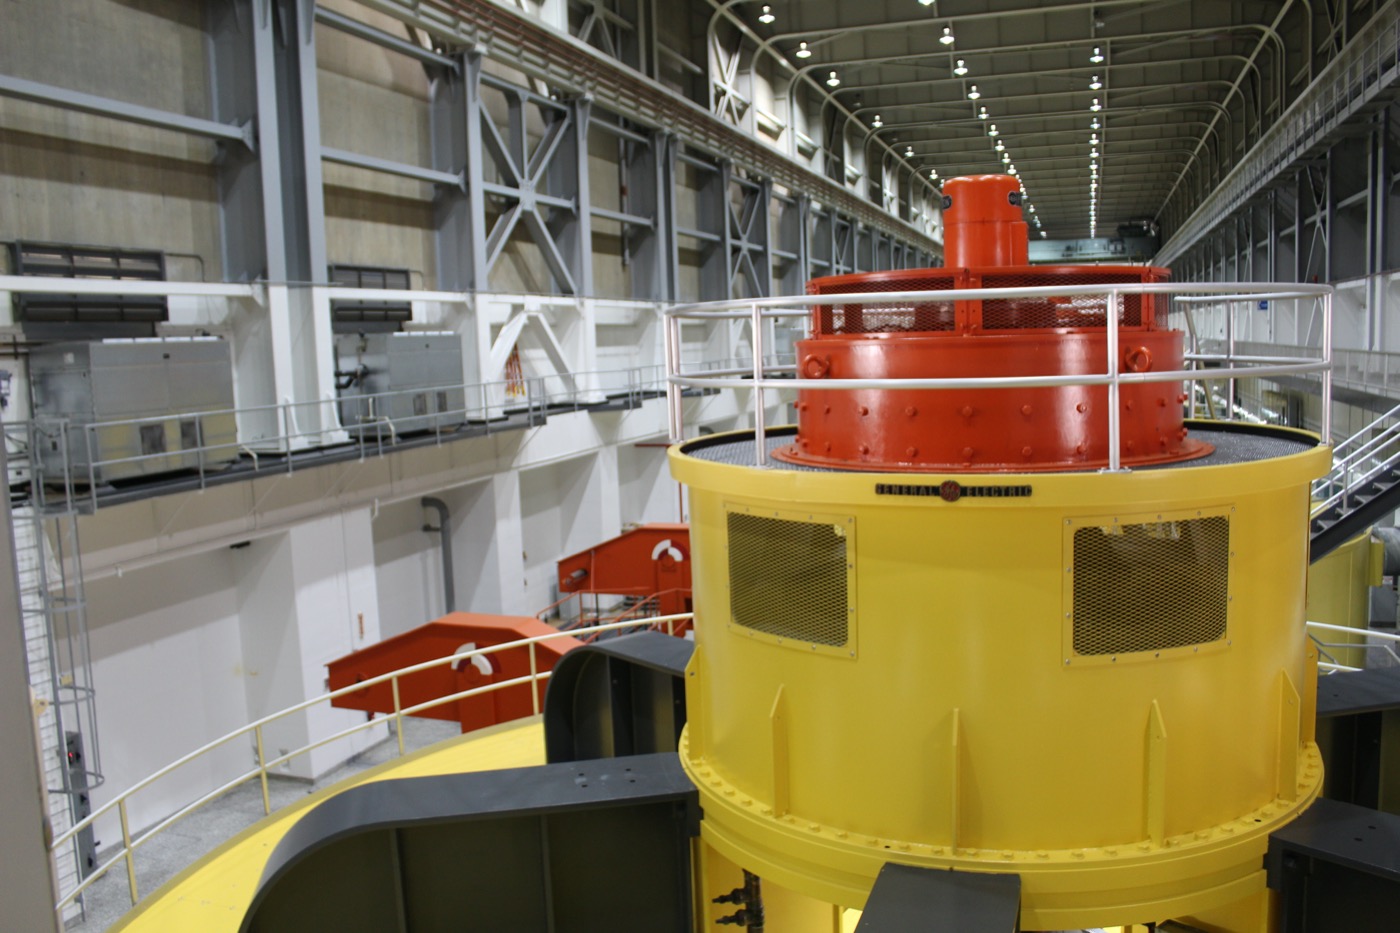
(509, 546)
(306, 597)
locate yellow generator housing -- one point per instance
(1097, 681)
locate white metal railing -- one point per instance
(762, 373)
(1387, 642)
(1364, 457)
(1362, 71)
(80, 457)
(132, 841)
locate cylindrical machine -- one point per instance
(1004, 660)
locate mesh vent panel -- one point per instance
(875, 317)
(1150, 587)
(1075, 311)
(788, 578)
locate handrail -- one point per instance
(481, 403)
(1343, 495)
(131, 842)
(1345, 629)
(1190, 294)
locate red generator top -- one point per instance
(986, 430)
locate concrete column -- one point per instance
(306, 597)
(26, 884)
(508, 558)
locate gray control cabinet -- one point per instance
(400, 383)
(134, 408)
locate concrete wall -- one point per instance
(74, 178)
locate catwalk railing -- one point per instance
(253, 733)
(72, 454)
(764, 371)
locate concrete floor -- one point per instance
(170, 852)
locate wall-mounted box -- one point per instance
(400, 383)
(134, 408)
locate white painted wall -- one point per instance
(647, 492)
(169, 676)
(307, 596)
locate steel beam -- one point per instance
(558, 60)
(24, 89)
(389, 167)
(364, 31)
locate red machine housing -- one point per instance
(1021, 429)
(438, 639)
(650, 562)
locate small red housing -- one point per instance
(957, 430)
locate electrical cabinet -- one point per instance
(400, 382)
(133, 408)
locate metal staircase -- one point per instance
(1362, 487)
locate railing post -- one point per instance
(398, 714)
(88, 431)
(1230, 359)
(668, 324)
(262, 771)
(534, 680)
(760, 417)
(129, 854)
(1327, 373)
(1115, 456)
(287, 433)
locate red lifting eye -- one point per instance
(1138, 360)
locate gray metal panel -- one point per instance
(577, 846)
(183, 389)
(420, 377)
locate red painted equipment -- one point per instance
(452, 634)
(1026, 429)
(650, 563)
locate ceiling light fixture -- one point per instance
(877, 122)
(803, 51)
(973, 93)
(992, 131)
(933, 173)
(947, 37)
(927, 2)
(1094, 139)
(1095, 83)
(1001, 146)
(766, 16)
(833, 81)
(961, 68)
(982, 115)
(909, 152)
(1011, 170)
(1042, 234)
(1096, 106)
(1097, 57)
(1095, 124)
(1006, 158)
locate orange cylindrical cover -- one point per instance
(982, 223)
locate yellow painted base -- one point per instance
(212, 894)
(1339, 593)
(1212, 870)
